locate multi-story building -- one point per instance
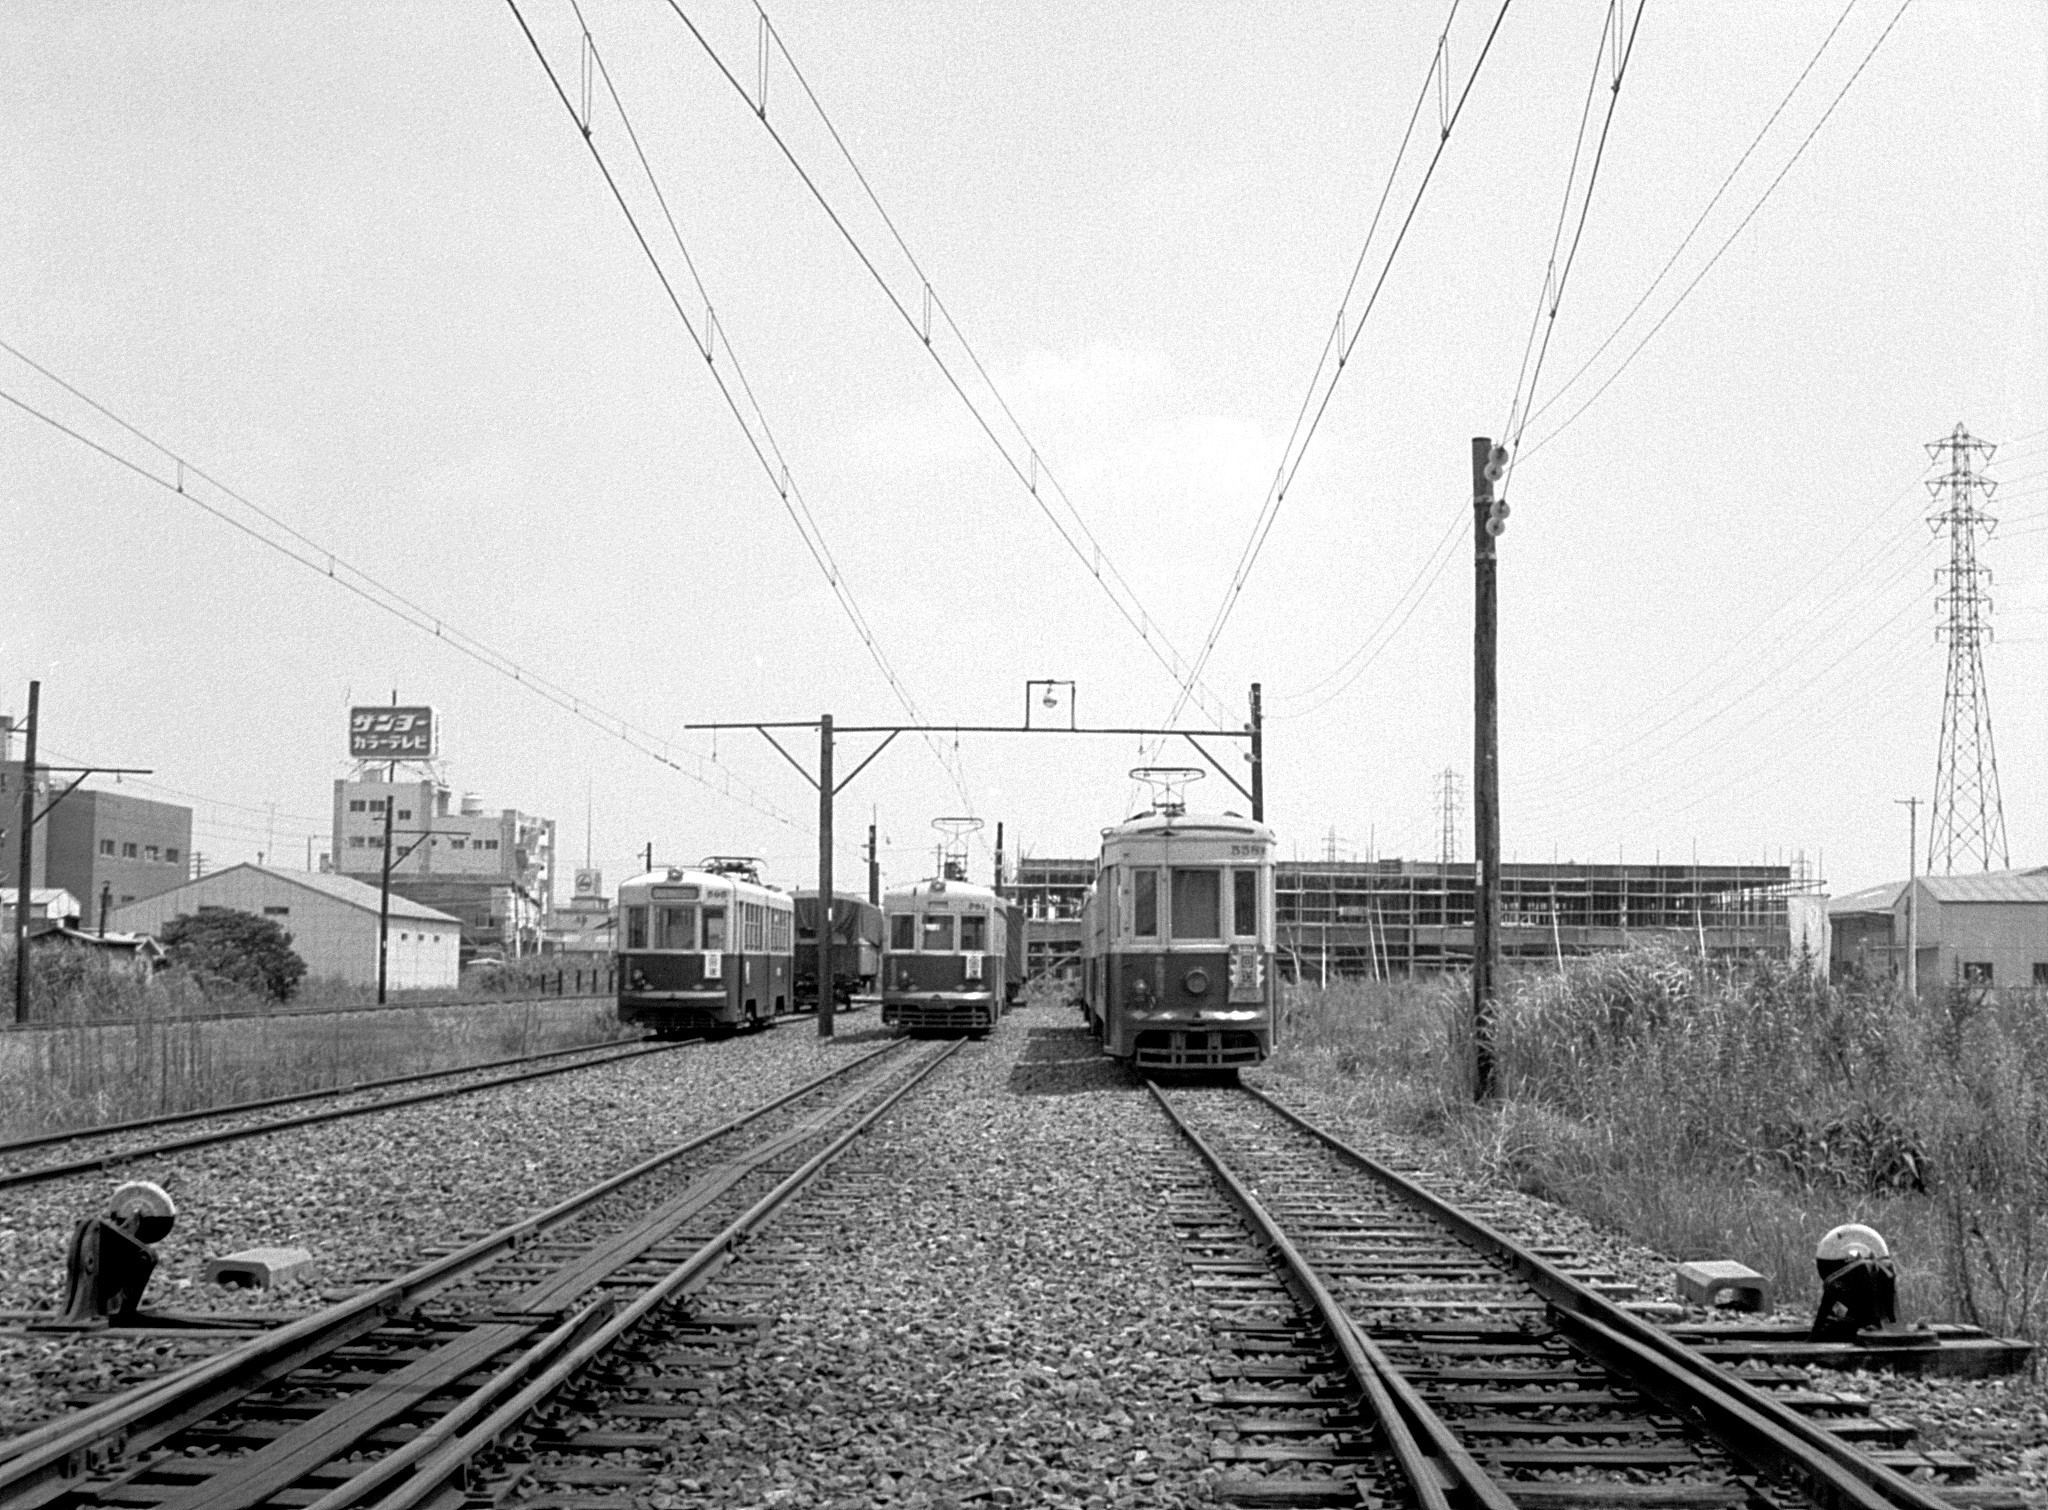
(108, 848)
(1051, 893)
(97, 845)
(492, 870)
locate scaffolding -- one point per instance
(1380, 918)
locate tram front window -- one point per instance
(903, 932)
(1197, 904)
(938, 935)
(677, 928)
(973, 935)
(714, 930)
(636, 927)
(1245, 884)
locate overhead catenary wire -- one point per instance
(190, 482)
(1622, 47)
(1340, 340)
(712, 339)
(1762, 199)
(1019, 452)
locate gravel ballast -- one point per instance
(1011, 1322)
(367, 1194)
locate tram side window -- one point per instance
(903, 932)
(676, 927)
(1197, 904)
(938, 934)
(1245, 891)
(778, 932)
(636, 927)
(1145, 899)
(973, 935)
(750, 913)
(714, 930)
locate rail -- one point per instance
(1754, 1430)
(144, 1417)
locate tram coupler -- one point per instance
(109, 1262)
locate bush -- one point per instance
(238, 948)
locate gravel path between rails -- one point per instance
(1999, 1424)
(365, 1195)
(1011, 1323)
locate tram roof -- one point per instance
(1188, 826)
(934, 886)
(689, 875)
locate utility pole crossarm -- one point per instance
(1218, 767)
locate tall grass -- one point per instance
(1733, 1112)
(115, 1042)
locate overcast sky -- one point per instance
(356, 263)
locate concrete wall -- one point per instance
(335, 938)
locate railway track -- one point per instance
(516, 1069)
(386, 1398)
(1388, 1347)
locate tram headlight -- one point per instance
(1197, 982)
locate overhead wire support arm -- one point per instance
(891, 739)
(79, 779)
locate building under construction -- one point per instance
(1396, 917)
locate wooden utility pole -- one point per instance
(825, 794)
(27, 862)
(1258, 743)
(1487, 522)
(1912, 806)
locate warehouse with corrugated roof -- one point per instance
(1985, 930)
(332, 921)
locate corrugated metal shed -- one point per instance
(1869, 899)
(1990, 886)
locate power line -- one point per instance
(1338, 342)
(1018, 451)
(1741, 226)
(1554, 276)
(709, 343)
(1686, 240)
(186, 481)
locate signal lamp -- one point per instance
(1496, 464)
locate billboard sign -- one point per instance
(589, 883)
(391, 734)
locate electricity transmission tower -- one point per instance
(1449, 804)
(1968, 819)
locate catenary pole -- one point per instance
(1485, 775)
(27, 865)
(825, 1002)
(874, 871)
(384, 889)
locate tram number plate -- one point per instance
(1247, 975)
(974, 967)
(1241, 851)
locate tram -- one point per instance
(707, 949)
(946, 963)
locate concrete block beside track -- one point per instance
(259, 1268)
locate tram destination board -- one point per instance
(390, 733)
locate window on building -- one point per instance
(358, 806)
(1197, 899)
(405, 815)
(973, 935)
(171, 855)
(1244, 903)
(2041, 972)
(149, 852)
(277, 912)
(127, 851)
(126, 898)
(636, 927)
(1145, 903)
(936, 937)
(714, 930)
(376, 804)
(903, 932)
(490, 844)
(357, 841)
(458, 844)
(106, 846)
(1976, 972)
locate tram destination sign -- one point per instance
(391, 734)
